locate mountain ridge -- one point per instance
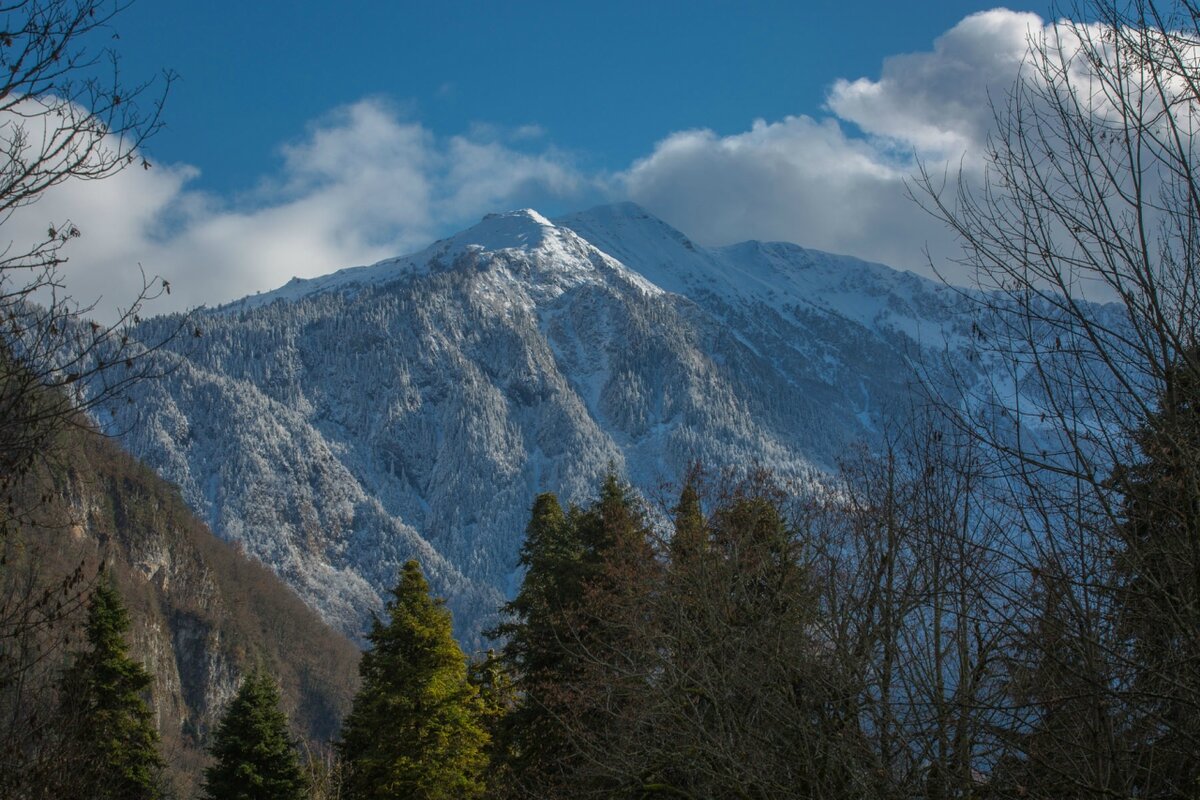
(339, 425)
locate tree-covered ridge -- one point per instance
(202, 613)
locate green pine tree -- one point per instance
(690, 539)
(254, 756)
(530, 743)
(582, 596)
(614, 529)
(552, 557)
(114, 743)
(415, 729)
(498, 697)
(1158, 584)
(496, 693)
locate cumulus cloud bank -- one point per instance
(838, 183)
(364, 184)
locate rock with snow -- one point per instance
(338, 426)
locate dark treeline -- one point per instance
(897, 633)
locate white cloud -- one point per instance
(838, 183)
(360, 186)
(798, 180)
(938, 102)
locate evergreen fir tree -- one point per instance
(690, 538)
(614, 532)
(552, 556)
(582, 597)
(498, 697)
(532, 744)
(114, 742)
(612, 637)
(1065, 740)
(254, 755)
(496, 693)
(1158, 585)
(414, 730)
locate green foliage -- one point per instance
(415, 730)
(496, 693)
(691, 535)
(498, 697)
(529, 740)
(254, 756)
(613, 528)
(695, 675)
(552, 556)
(115, 742)
(580, 566)
(749, 703)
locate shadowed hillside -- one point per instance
(203, 612)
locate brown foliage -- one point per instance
(203, 614)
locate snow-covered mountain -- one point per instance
(338, 426)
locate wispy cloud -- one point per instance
(361, 185)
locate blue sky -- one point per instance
(303, 137)
(602, 80)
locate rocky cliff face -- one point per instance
(338, 426)
(203, 613)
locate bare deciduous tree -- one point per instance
(66, 114)
(1092, 194)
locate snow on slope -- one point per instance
(340, 425)
(778, 275)
(555, 259)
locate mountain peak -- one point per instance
(623, 226)
(524, 228)
(624, 216)
(626, 209)
(520, 214)
(417, 408)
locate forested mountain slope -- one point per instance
(337, 426)
(203, 613)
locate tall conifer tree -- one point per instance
(581, 599)
(115, 743)
(1158, 584)
(253, 752)
(532, 743)
(415, 729)
(690, 538)
(498, 697)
